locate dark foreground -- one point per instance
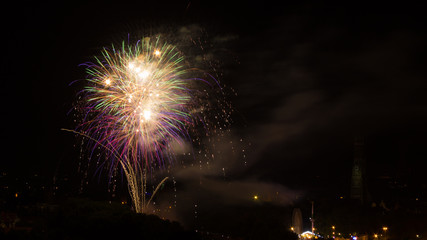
(80, 218)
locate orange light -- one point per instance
(16, 195)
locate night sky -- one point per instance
(309, 78)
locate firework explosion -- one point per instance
(138, 101)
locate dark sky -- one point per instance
(309, 77)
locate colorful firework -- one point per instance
(139, 100)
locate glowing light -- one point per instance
(255, 197)
(157, 53)
(144, 74)
(107, 81)
(16, 195)
(147, 114)
(308, 235)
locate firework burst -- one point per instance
(138, 100)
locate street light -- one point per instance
(385, 231)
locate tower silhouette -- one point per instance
(358, 174)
